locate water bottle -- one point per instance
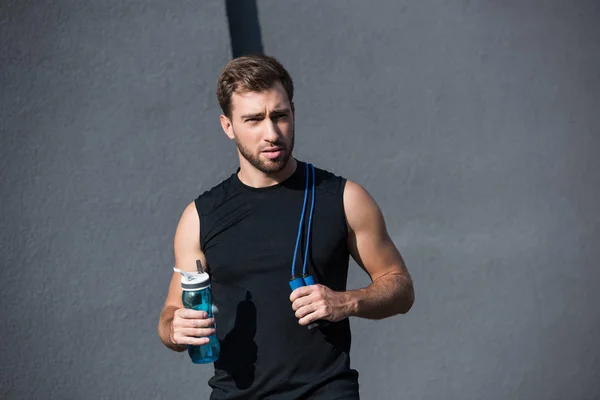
(197, 295)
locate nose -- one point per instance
(271, 133)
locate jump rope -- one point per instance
(305, 279)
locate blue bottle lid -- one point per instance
(193, 280)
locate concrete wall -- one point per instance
(474, 124)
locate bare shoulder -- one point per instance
(187, 239)
(360, 206)
(189, 220)
(368, 239)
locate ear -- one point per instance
(293, 111)
(227, 126)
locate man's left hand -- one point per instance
(315, 302)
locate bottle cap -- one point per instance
(193, 280)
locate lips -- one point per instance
(272, 152)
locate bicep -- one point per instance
(368, 239)
(186, 248)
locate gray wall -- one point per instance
(474, 124)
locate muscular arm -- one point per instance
(186, 251)
(391, 291)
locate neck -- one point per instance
(253, 177)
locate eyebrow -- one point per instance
(277, 111)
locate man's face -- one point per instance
(262, 125)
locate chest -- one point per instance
(256, 240)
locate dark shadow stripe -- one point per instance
(244, 28)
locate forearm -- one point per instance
(386, 296)
(164, 329)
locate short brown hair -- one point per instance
(253, 73)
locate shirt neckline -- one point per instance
(290, 181)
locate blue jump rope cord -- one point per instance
(310, 215)
(302, 220)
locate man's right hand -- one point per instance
(191, 327)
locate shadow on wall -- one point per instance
(244, 29)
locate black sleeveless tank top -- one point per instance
(249, 236)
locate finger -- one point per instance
(202, 323)
(302, 301)
(315, 294)
(195, 341)
(305, 310)
(194, 323)
(312, 317)
(188, 313)
(301, 292)
(199, 341)
(197, 332)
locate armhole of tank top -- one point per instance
(343, 182)
(199, 211)
(335, 187)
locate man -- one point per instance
(257, 233)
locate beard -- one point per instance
(267, 166)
